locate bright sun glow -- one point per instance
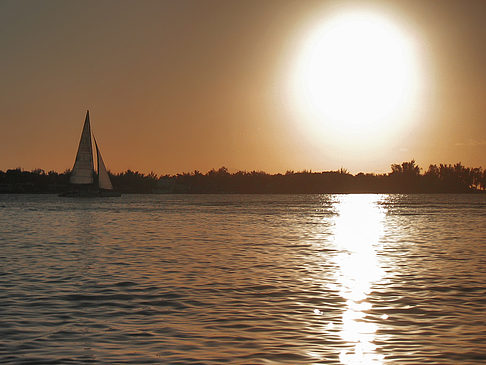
(357, 74)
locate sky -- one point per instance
(178, 86)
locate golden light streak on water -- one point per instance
(357, 231)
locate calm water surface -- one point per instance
(243, 279)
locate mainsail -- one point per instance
(103, 178)
(82, 172)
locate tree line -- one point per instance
(406, 177)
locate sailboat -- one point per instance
(85, 181)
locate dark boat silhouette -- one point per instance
(84, 180)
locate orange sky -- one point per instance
(176, 86)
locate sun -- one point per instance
(357, 74)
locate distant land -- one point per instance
(406, 177)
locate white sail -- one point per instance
(103, 178)
(82, 172)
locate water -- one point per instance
(243, 279)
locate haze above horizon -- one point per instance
(251, 85)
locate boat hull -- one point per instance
(91, 194)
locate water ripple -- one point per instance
(243, 279)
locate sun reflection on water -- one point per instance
(357, 231)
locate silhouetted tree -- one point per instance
(404, 178)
